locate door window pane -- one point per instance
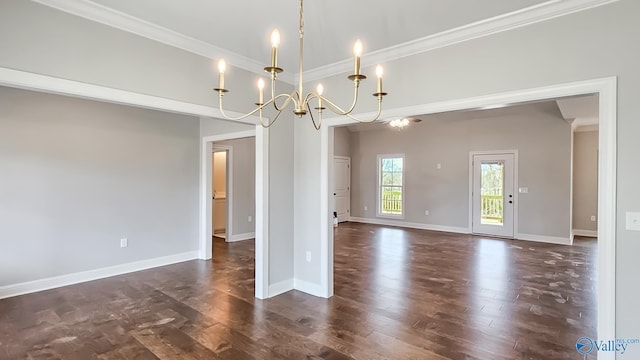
(492, 193)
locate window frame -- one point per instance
(379, 212)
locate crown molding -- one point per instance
(531, 15)
(95, 12)
(527, 16)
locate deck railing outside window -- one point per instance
(492, 208)
(392, 201)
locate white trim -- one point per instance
(572, 137)
(262, 213)
(606, 88)
(379, 213)
(410, 225)
(95, 274)
(42, 83)
(325, 289)
(585, 128)
(310, 288)
(125, 22)
(229, 190)
(587, 233)
(543, 238)
(519, 18)
(241, 237)
(280, 287)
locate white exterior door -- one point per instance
(493, 198)
(342, 187)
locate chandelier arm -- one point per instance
(372, 119)
(274, 96)
(272, 122)
(260, 107)
(313, 121)
(337, 109)
(290, 97)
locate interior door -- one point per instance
(342, 187)
(493, 194)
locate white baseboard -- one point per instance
(389, 222)
(587, 233)
(544, 239)
(89, 275)
(240, 237)
(309, 288)
(280, 287)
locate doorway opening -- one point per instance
(605, 88)
(252, 225)
(221, 216)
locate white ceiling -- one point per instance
(580, 111)
(331, 26)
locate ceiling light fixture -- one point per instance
(399, 123)
(301, 101)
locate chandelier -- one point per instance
(301, 101)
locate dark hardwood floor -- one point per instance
(399, 294)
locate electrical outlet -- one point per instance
(593, 218)
(250, 218)
(633, 221)
(124, 242)
(426, 212)
(308, 257)
(366, 208)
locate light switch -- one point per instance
(523, 190)
(633, 221)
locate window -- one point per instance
(390, 185)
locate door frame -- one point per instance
(348, 158)
(262, 202)
(605, 88)
(229, 186)
(515, 185)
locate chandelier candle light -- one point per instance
(300, 101)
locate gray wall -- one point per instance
(585, 180)
(541, 136)
(46, 41)
(342, 141)
(590, 44)
(78, 175)
(244, 184)
(281, 200)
